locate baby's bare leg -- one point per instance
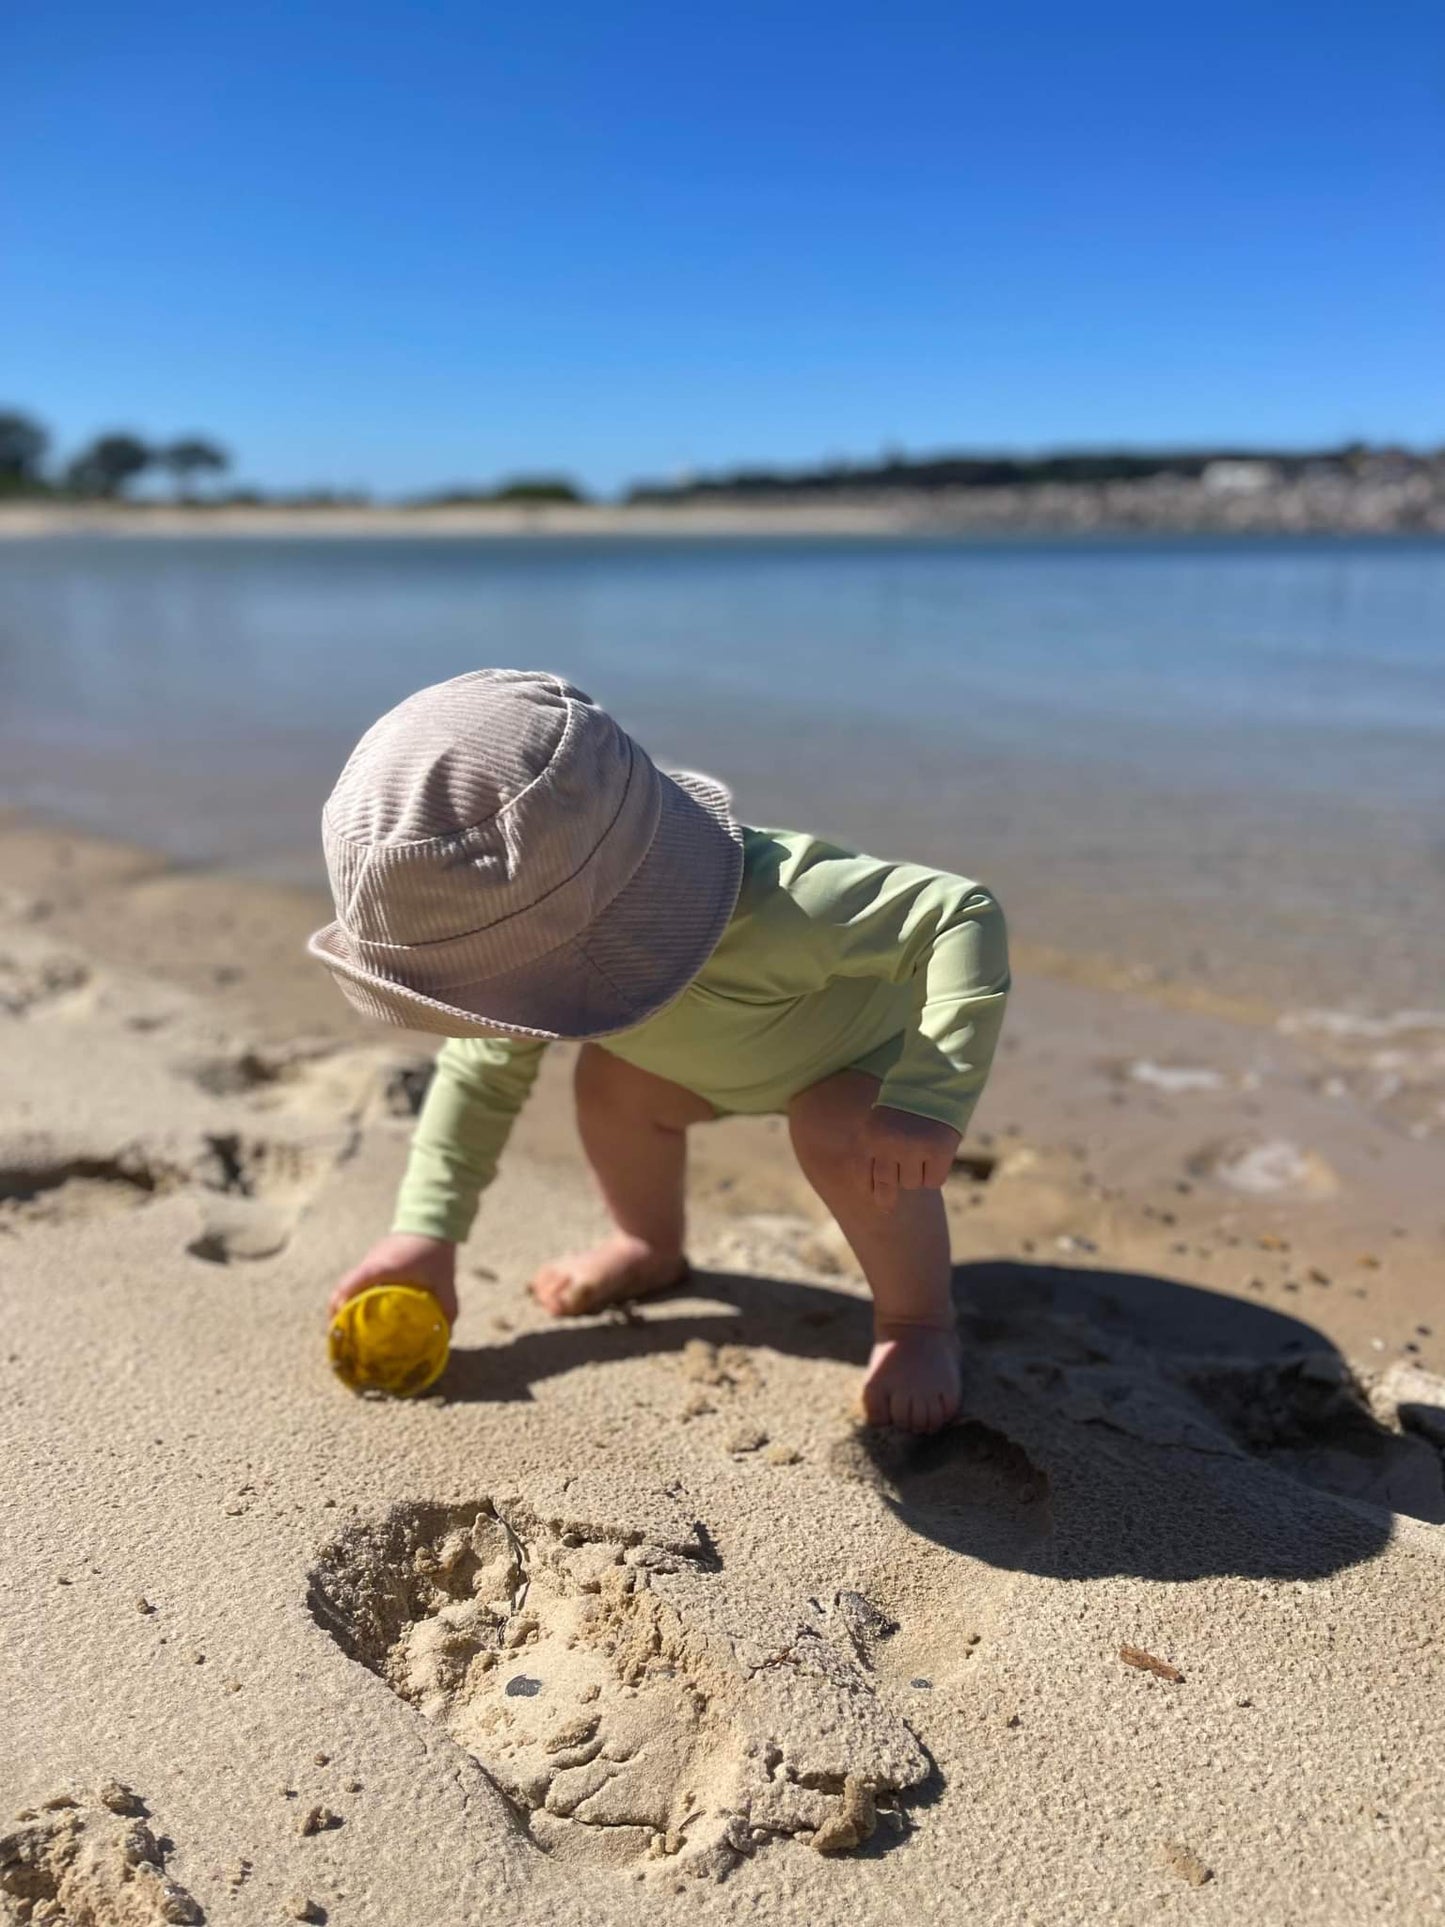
(913, 1374)
(634, 1131)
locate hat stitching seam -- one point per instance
(482, 822)
(525, 909)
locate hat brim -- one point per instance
(629, 963)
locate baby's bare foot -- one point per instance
(619, 1268)
(913, 1378)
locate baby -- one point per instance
(510, 869)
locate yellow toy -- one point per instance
(391, 1338)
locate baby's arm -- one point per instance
(479, 1087)
(943, 935)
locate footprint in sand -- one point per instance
(252, 1187)
(624, 1728)
(1265, 1167)
(93, 1861)
(262, 1185)
(266, 1181)
(41, 1182)
(37, 976)
(1312, 1418)
(968, 1483)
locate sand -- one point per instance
(630, 1615)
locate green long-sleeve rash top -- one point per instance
(830, 959)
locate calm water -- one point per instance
(1226, 758)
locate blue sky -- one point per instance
(398, 246)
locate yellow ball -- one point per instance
(392, 1337)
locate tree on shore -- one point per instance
(23, 446)
(188, 458)
(108, 466)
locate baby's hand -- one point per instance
(404, 1254)
(904, 1152)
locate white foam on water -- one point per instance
(1177, 1079)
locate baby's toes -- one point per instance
(918, 1412)
(581, 1294)
(876, 1403)
(551, 1287)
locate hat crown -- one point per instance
(450, 757)
(500, 800)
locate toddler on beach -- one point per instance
(510, 869)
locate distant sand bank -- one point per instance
(1164, 505)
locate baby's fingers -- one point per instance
(350, 1286)
(884, 1177)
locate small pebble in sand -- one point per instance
(1147, 1663)
(1368, 1260)
(853, 1824)
(58, 1803)
(1184, 1862)
(782, 1455)
(748, 1438)
(1268, 1241)
(323, 1759)
(177, 1908)
(317, 1820)
(121, 1798)
(238, 1873)
(353, 1786)
(1318, 1277)
(300, 1908)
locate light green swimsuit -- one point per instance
(831, 961)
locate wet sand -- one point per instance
(631, 1613)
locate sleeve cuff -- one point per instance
(942, 1108)
(434, 1221)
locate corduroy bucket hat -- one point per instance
(505, 858)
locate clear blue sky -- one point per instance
(399, 245)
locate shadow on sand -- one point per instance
(1114, 1422)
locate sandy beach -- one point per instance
(630, 1613)
(1393, 494)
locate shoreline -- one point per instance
(1082, 512)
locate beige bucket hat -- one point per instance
(505, 858)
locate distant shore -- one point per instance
(1243, 504)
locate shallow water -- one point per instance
(1219, 760)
